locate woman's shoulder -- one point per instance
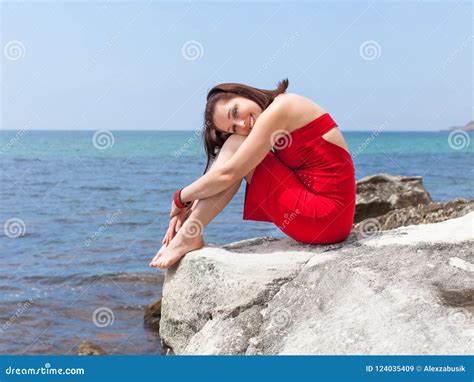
(299, 109)
(298, 102)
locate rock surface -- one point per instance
(404, 291)
(88, 348)
(420, 214)
(467, 127)
(152, 315)
(382, 193)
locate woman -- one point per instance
(300, 175)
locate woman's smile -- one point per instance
(251, 122)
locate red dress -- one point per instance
(305, 186)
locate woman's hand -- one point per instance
(175, 210)
(175, 224)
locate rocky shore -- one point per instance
(401, 283)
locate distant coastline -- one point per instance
(468, 127)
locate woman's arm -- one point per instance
(250, 153)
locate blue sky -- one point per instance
(148, 65)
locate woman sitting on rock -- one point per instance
(299, 173)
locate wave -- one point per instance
(79, 279)
(100, 188)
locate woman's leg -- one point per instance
(189, 236)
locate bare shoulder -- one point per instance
(297, 101)
(300, 110)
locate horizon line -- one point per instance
(145, 130)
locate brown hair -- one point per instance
(213, 138)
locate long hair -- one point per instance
(213, 138)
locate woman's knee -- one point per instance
(233, 143)
(230, 146)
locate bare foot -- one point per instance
(154, 261)
(177, 249)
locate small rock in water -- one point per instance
(88, 348)
(153, 315)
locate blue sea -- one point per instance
(84, 212)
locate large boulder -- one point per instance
(404, 291)
(378, 194)
(420, 214)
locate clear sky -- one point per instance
(148, 65)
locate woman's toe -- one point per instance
(163, 264)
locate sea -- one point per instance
(83, 212)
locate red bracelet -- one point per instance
(177, 200)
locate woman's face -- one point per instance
(236, 116)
